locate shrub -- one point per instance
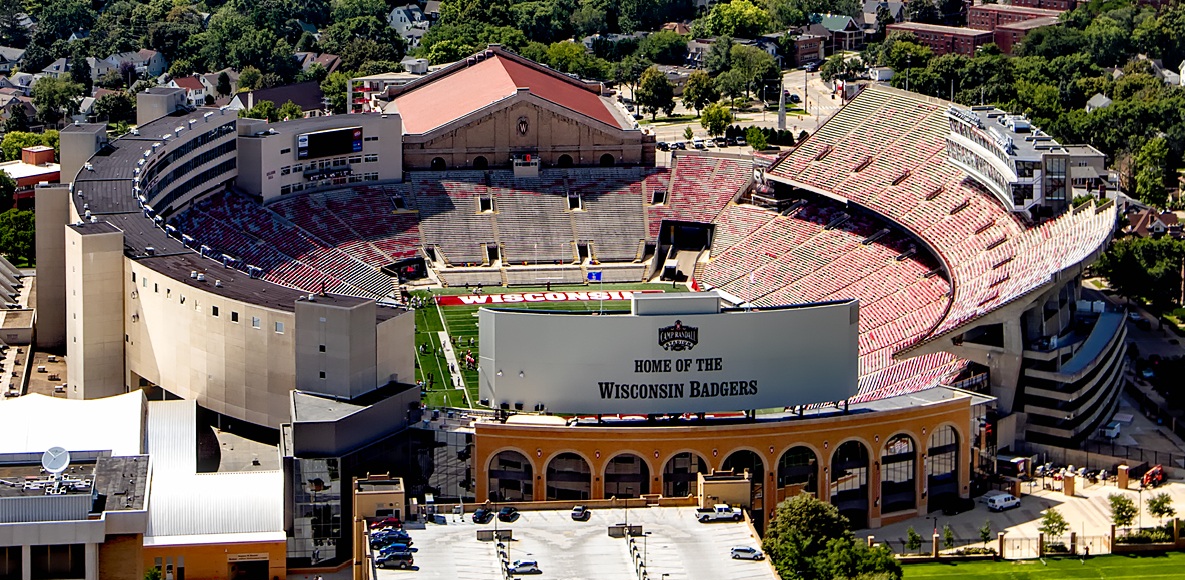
(974, 551)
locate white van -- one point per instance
(999, 503)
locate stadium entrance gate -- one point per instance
(679, 246)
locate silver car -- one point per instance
(747, 553)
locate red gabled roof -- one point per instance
(189, 83)
(442, 99)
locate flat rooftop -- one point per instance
(1027, 144)
(1031, 23)
(676, 547)
(940, 29)
(22, 170)
(1019, 9)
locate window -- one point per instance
(145, 281)
(339, 162)
(279, 328)
(285, 150)
(156, 288)
(254, 322)
(285, 189)
(322, 348)
(297, 187)
(371, 139)
(298, 168)
(285, 170)
(133, 277)
(356, 159)
(372, 158)
(183, 299)
(234, 317)
(214, 310)
(322, 374)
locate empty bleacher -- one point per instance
(532, 218)
(449, 214)
(361, 221)
(612, 214)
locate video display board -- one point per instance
(329, 143)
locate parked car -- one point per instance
(999, 503)
(747, 553)
(679, 145)
(483, 516)
(389, 521)
(719, 512)
(794, 98)
(741, 141)
(812, 66)
(581, 513)
(508, 514)
(663, 146)
(395, 549)
(401, 560)
(957, 505)
(524, 567)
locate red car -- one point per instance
(387, 522)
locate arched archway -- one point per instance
(480, 162)
(511, 477)
(438, 164)
(626, 476)
(565, 160)
(849, 482)
(568, 478)
(738, 462)
(678, 474)
(898, 466)
(607, 160)
(799, 466)
(942, 467)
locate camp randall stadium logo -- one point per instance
(678, 337)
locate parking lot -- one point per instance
(675, 546)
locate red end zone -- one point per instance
(487, 299)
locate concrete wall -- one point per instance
(396, 350)
(179, 177)
(552, 131)
(213, 561)
(158, 102)
(120, 557)
(94, 311)
(78, 144)
(53, 213)
(223, 362)
(335, 348)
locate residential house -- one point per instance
(148, 63)
(12, 99)
(309, 28)
(78, 35)
(1148, 222)
(612, 38)
(432, 10)
(86, 110)
(195, 90)
(22, 81)
(947, 39)
(795, 49)
(307, 96)
(58, 69)
(329, 62)
(1098, 101)
(1181, 74)
(872, 10)
(846, 33)
(677, 28)
(100, 67)
(11, 58)
(210, 81)
(410, 22)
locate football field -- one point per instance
(1157, 566)
(460, 325)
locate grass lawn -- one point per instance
(461, 322)
(1170, 565)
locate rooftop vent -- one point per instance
(193, 273)
(151, 251)
(201, 277)
(218, 283)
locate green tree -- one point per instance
(756, 138)
(698, 91)
(55, 98)
(17, 119)
(7, 190)
(1145, 269)
(377, 67)
(922, 11)
(341, 10)
(1053, 525)
(223, 86)
(262, 110)
(948, 537)
(315, 72)
(913, 540)
(664, 47)
(846, 558)
(731, 84)
(719, 57)
(629, 71)
(116, 107)
(16, 235)
(334, 88)
(152, 574)
(1150, 171)
(1160, 505)
(904, 54)
(250, 79)
(799, 534)
(1108, 41)
(571, 57)
(985, 532)
(736, 18)
(752, 63)
(289, 111)
(655, 93)
(13, 142)
(715, 119)
(688, 133)
(1123, 510)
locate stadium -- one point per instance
(932, 249)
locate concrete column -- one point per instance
(1068, 485)
(1122, 478)
(92, 561)
(1040, 544)
(26, 563)
(871, 541)
(1000, 543)
(934, 546)
(1073, 542)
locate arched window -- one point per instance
(799, 466)
(898, 464)
(480, 162)
(568, 478)
(626, 476)
(607, 160)
(511, 477)
(744, 460)
(942, 466)
(438, 164)
(678, 475)
(565, 160)
(849, 482)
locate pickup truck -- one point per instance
(719, 512)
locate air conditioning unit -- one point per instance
(193, 273)
(201, 277)
(218, 283)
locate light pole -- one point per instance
(645, 543)
(908, 62)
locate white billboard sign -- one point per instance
(669, 362)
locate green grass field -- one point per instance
(461, 322)
(1158, 567)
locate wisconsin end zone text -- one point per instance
(694, 389)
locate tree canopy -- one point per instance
(810, 540)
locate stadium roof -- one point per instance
(491, 76)
(34, 423)
(202, 508)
